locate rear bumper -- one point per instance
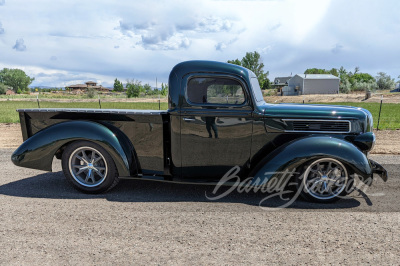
(379, 170)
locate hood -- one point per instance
(361, 119)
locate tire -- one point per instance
(89, 167)
(324, 180)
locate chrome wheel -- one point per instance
(88, 166)
(325, 179)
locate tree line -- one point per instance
(18, 81)
(134, 88)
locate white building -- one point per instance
(302, 84)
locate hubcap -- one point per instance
(325, 178)
(88, 166)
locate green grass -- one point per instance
(390, 115)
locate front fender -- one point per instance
(38, 151)
(298, 152)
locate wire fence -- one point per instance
(385, 115)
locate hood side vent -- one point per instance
(329, 126)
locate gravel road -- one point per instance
(45, 221)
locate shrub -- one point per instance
(3, 88)
(91, 93)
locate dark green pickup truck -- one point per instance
(216, 120)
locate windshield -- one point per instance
(258, 97)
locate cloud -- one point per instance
(116, 46)
(214, 24)
(275, 27)
(19, 45)
(1, 28)
(161, 34)
(220, 46)
(2, 2)
(53, 58)
(337, 48)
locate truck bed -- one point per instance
(144, 128)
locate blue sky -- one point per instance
(67, 42)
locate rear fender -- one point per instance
(297, 152)
(37, 152)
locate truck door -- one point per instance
(216, 125)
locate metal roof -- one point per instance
(317, 76)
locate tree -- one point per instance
(314, 70)
(164, 89)
(133, 88)
(147, 89)
(118, 85)
(253, 62)
(363, 77)
(15, 78)
(384, 81)
(3, 88)
(235, 62)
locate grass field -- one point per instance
(390, 115)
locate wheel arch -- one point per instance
(300, 151)
(38, 151)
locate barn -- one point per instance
(302, 84)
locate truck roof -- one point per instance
(199, 66)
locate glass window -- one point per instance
(215, 91)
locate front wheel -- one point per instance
(324, 180)
(89, 167)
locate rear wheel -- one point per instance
(89, 167)
(324, 180)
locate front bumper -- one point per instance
(379, 170)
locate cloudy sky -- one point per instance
(65, 42)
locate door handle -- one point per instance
(189, 119)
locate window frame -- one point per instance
(247, 101)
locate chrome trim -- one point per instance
(319, 120)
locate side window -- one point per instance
(215, 90)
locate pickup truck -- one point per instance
(216, 120)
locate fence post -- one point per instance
(99, 101)
(379, 117)
(37, 99)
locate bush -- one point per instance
(345, 86)
(3, 88)
(365, 86)
(19, 91)
(91, 93)
(133, 88)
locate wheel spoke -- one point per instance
(81, 170)
(99, 173)
(93, 156)
(96, 159)
(84, 155)
(81, 159)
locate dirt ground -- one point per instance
(324, 98)
(320, 98)
(44, 221)
(388, 141)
